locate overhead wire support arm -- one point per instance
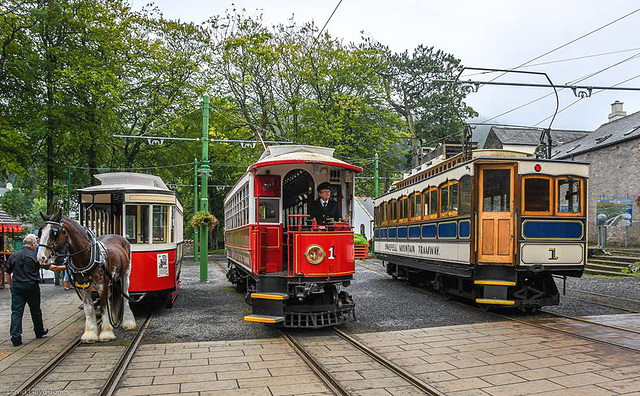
(473, 86)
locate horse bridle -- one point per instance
(57, 228)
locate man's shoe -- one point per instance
(44, 333)
(16, 343)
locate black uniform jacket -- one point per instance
(24, 266)
(323, 214)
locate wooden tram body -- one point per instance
(495, 228)
(149, 215)
(291, 269)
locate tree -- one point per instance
(433, 111)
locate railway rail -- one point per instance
(559, 315)
(111, 383)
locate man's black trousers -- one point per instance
(25, 293)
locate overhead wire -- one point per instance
(570, 42)
(330, 16)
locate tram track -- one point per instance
(115, 375)
(551, 328)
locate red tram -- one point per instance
(291, 267)
(144, 210)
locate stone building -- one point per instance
(613, 151)
(527, 139)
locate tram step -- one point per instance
(492, 301)
(270, 296)
(494, 282)
(264, 319)
(595, 271)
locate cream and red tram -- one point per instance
(149, 215)
(292, 269)
(495, 228)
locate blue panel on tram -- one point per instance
(414, 232)
(552, 229)
(447, 230)
(392, 232)
(383, 233)
(376, 233)
(465, 228)
(429, 231)
(402, 232)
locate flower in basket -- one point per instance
(203, 219)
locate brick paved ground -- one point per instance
(251, 367)
(64, 320)
(510, 359)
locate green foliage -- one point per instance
(203, 219)
(359, 239)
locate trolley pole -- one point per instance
(375, 176)
(204, 171)
(195, 209)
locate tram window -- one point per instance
(496, 187)
(465, 195)
(268, 210)
(417, 205)
(404, 212)
(569, 196)
(137, 223)
(453, 198)
(393, 211)
(433, 209)
(160, 223)
(537, 195)
(444, 200)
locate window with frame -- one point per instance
(536, 193)
(385, 213)
(160, 223)
(464, 194)
(569, 196)
(268, 210)
(433, 206)
(394, 210)
(444, 200)
(416, 205)
(449, 199)
(404, 208)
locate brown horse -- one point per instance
(94, 263)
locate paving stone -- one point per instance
(298, 389)
(460, 384)
(502, 379)
(243, 374)
(542, 362)
(523, 388)
(208, 386)
(148, 390)
(262, 391)
(373, 383)
(281, 380)
(486, 370)
(182, 378)
(589, 390)
(577, 368)
(622, 386)
(575, 380)
(212, 368)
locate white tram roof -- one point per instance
(127, 181)
(301, 154)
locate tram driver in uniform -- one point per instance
(325, 210)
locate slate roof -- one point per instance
(6, 219)
(614, 132)
(367, 204)
(531, 136)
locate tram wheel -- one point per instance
(447, 296)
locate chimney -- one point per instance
(616, 111)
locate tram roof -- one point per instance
(127, 181)
(301, 154)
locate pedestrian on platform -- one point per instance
(25, 289)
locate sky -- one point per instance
(487, 34)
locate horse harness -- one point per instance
(98, 250)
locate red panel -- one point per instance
(144, 271)
(268, 186)
(338, 246)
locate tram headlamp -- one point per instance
(315, 254)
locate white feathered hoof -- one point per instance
(129, 325)
(107, 336)
(89, 337)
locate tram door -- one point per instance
(496, 214)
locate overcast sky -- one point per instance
(491, 34)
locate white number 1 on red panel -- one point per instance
(331, 253)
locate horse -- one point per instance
(94, 263)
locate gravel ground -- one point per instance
(214, 310)
(205, 311)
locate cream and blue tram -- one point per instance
(495, 228)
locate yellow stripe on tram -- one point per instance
(496, 302)
(494, 283)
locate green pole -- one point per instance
(375, 176)
(68, 189)
(204, 170)
(195, 208)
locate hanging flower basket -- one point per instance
(203, 219)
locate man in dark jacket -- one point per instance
(323, 209)
(25, 289)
